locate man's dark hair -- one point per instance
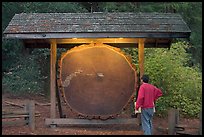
(145, 78)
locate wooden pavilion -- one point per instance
(66, 30)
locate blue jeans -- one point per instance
(146, 119)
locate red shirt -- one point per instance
(147, 95)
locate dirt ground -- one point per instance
(43, 107)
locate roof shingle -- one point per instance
(36, 23)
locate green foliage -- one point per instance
(24, 76)
(9, 9)
(133, 52)
(119, 7)
(192, 14)
(11, 49)
(181, 84)
(168, 69)
(37, 7)
(152, 7)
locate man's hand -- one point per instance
(136, 106)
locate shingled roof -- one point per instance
(93, 25)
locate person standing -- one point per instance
(147, 96)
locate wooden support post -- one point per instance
(53, 56)
(177, 116)
(141, 56)
(200, 126)
(30, 108)
(27, 110)
(141, 64)
(173, 119)
(32, 115)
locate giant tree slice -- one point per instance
(96, 80)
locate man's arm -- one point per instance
(158, 93)
(140, 98)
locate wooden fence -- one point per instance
(25, 116)
(175, 128)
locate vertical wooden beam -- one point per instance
(32, 115)
(173, 120)
(53, 56)
(141, 56)
(30, 108)
(200, 126)
(141, 65)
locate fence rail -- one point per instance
(174, 128)
(27, 116)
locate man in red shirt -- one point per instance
(147, 95)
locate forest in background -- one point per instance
(177, 71)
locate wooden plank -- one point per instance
(22, 112)
(183, 133)
(69, 121)
(14, 116)
(186, 126)
(14, 104)
(141, 56)
(14, 123)
(18, 116)
(97, 40)
(53, 56)
(19, 112)
(118, 45)
(48, 35)
(116, 42)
